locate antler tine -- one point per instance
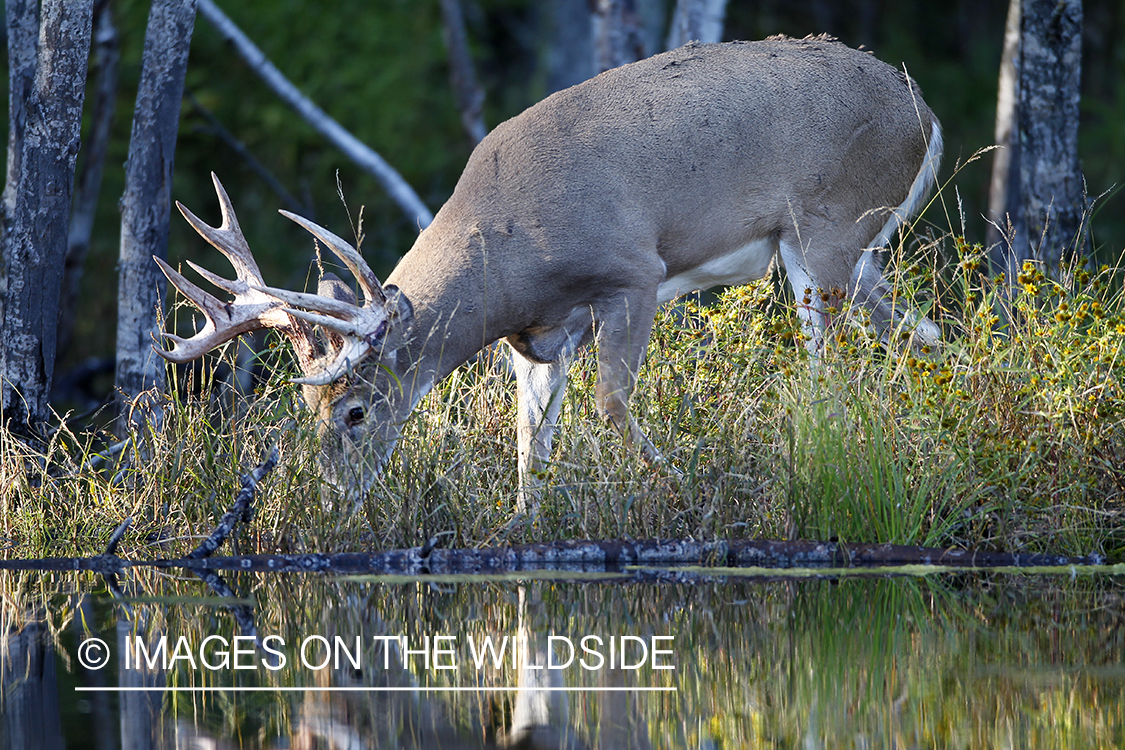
(368, 282)
(227, 238)
(223, 322)
(362, 329)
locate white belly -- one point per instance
(747, 263)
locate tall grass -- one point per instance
(1009, 436)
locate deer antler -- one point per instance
(363, 327)
(255, 305)
(250, 309)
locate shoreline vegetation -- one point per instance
(1011, 437)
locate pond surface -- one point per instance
(648, 659)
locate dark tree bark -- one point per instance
(466, 90)
(35, 244)
(147, 203)
(90, 169)
(23, 33)
(1044, 198)
(1050, 177)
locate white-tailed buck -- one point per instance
(573, 221)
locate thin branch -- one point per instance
(355, 149)
(239, 511)
(220, 131)
(117, 535)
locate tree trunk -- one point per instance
(147, 204)
(35, 246)
(1006, 229)
(570, 45)
(1050, 178)
(466, 90)
(89, 179)
(30, 717)
(23, 33)
(701, 20)
(1037, 188)
(143, 725)
(617, 34)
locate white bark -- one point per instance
(699, 20)
(1004, 206)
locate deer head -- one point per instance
(343, 346)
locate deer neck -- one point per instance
(458, 307)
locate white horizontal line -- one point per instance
(451, 689)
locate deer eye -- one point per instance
(355, 415)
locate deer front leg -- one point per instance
(543, 357)
(622, 337)
(540, 390)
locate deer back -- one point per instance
(695, 152)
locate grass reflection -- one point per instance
(946, 661)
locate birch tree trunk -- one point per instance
(699, 20)
(31, 270)
(147, 204)
(1007, 230)
(1037, 197)
(617, 34)
(1051, 182)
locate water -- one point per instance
(948, 660)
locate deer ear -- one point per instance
(332, 287)
(399, 309)
(400, 318)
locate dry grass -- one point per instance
(1010, 437)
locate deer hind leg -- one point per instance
(540, 388)
(811, 286)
